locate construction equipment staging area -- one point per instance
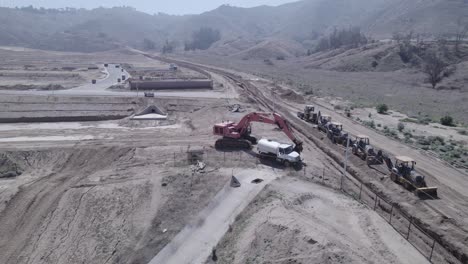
(192, 187)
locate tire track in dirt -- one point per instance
(30, 211)
(257, 95)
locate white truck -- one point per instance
(283, 153)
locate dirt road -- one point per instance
(124, 191)
(452, 205)
(293, 221)
(451, 178)
(195, 242)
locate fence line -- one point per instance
(401, 222)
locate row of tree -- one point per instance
(351, 38)
(202, 39)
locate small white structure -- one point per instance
(151, 112)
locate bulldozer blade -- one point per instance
(235, 182)
(373, 161)
(430, 192)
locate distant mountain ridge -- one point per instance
(302, 22)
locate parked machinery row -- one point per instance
(401, 172)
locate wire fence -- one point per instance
(406, 225)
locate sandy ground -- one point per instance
(393, 118)
(122, 192)
(40, 69)
(293, 221)
(194, 243)
(452, 202)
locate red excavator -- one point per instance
(237, 136)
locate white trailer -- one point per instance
(283, 153)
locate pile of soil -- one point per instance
(8, 168)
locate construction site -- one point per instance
(152, 159)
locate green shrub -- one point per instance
(423, 141)
(436, 140)
(447, 121)
(408, 134)
(401, 126)
(410, 120)
(370, 124)
(338, 107)
(382, 108)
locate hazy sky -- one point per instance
(149, 6)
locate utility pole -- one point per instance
(346, 161)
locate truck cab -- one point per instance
(286, 152)
(283, 153)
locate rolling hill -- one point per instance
(300, 22)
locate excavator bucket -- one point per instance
(426, 192)
(298, 148)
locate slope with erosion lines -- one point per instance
(293, 221)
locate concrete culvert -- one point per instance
(151, 112)
(257, 181)
(235, 182)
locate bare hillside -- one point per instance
(303, 21)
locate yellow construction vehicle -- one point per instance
(308, 114)
(403, 172)
(361, 147)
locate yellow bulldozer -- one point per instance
(403, 172)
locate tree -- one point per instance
(400, 126)
(382, 108)
(447, 121)
(188, 46)
(168, 47)
(397, 36)
(350, 38)
(434, 69)
(407, 49)
(203, 38)
(148, 44)
(460, 34)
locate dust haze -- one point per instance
(313, 131)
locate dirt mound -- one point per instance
(8, 168)
(272, 49)
(24, 87)
(289, 224)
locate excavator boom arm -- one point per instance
(278, 120)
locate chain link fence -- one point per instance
(406, 225)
